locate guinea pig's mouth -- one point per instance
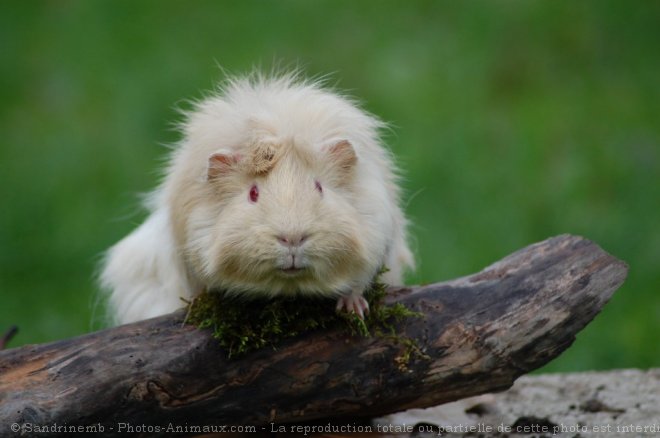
(292, 271)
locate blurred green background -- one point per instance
(513, 120)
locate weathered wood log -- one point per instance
(480, 332)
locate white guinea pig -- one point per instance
(278, 187)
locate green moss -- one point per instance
(242, 325)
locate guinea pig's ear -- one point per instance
(343, 155)
(221, 163)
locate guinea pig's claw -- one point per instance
(353, 303)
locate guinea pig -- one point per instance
(278, 187)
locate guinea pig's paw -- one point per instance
(355, 303)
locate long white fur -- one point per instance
(204, 233)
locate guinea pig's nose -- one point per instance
(292, 240)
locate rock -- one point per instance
(621, 403)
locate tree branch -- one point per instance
(480, 332)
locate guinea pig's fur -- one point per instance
(277, 187)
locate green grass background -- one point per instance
(513, 120)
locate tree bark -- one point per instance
(480, 333)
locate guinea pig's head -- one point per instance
(284, 219)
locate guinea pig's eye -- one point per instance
(318, 187)
(254, 193)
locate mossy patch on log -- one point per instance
(241, 325)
